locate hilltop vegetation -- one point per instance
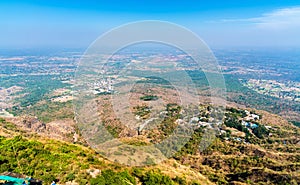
(51, 160)
(258, 158)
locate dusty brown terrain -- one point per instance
(7, 95)
(61, 129)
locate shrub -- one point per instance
(152, 178)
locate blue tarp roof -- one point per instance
(16, 181)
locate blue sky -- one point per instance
(66, 23)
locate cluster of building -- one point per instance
(247, 121)
(103, 86)
(286, 90)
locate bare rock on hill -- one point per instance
(60, 129)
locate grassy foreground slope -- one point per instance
(50, 160)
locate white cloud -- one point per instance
(281, 18)
(280, 27)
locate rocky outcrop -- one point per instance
(60, 129)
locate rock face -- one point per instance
(61, 129)
(72, 183)
(94, 172)
(33, 124)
